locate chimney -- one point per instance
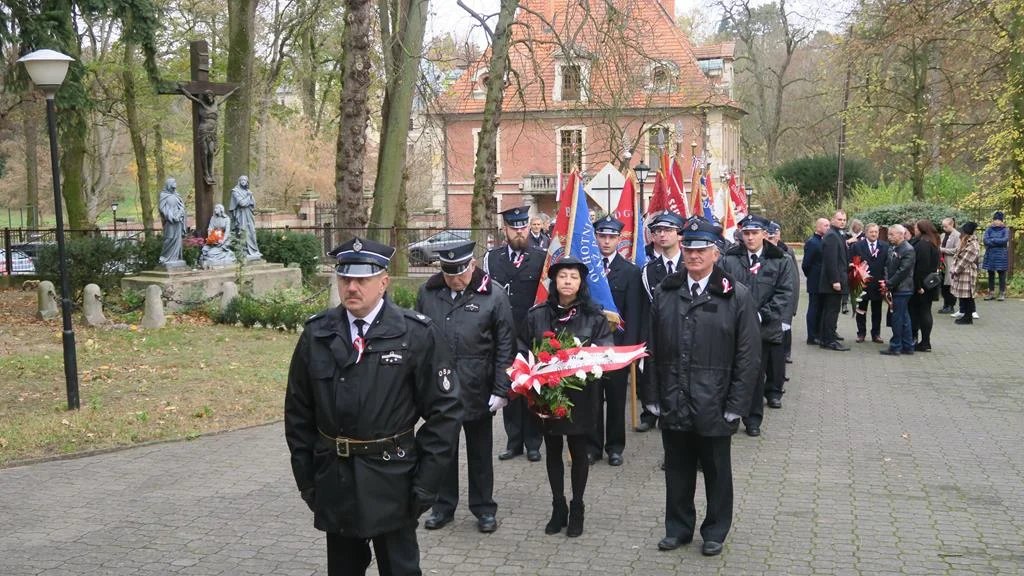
(670, 7)
(549, 11)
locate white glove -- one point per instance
(730, 417)
(786, 327)
(653, 409)
(759, 318)
(496, 403)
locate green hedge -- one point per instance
(291, 247)
(97, 260)
(815, 177)
(910, 212)
(284, 310)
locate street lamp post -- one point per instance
(47, 68)
(750, 192)
(113, 208)
(642, 170)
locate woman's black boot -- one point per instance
(575, 519)
(559, 515)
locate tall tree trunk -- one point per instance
(307, 68)
(135, 133)
(354, 115)
(74, 143)
(407, 20)
(486, 155)
(238, 108)
(400, 262)
(31, 123)
(158, 155)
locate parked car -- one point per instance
(425, 251)
(21, 263)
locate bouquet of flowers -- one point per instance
(559, 363)
(859, 276)
(216, 237)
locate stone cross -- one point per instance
(203, 94)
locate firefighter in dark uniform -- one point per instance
(516, 268)
(665, 229)
(361, 378)
(477, 323)
(705, 354)
(624, 280)
(767, 272)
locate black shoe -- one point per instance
(673, 542)
(753, 431)
(813, 342)
(591, 458)
(643, 426)
(559, 516)
(774, 403)
(922, 348)
(836, 346)
(860, 339)
(840, 338)
(711, 548)
(789, 360)
(964, 320)
(945, 310)
(487, 523)
(436, 520)
(615, 459)
(509, 454)
(533, 456)
(575, 527)
(889, 352)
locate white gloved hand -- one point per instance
(496, 403)
(730, 417)
(653, 409)
(786, 327)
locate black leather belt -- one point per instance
(347, 447)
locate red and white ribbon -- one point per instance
(359, 344)
(527, 373)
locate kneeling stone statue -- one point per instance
(217, 250)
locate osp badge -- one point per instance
(446, 384)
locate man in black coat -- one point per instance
(811, 265)
(668, 258)
(834, 282)
(705, 354)
(361, 378)
(516, 268)
(768, 273)
(875, 253)
(624, 281)
(477, 323)
(775, 237)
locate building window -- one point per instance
(497, 150)
(480, 84)
(571, 82)
(661, 78)
(570, 150)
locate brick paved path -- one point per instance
(876, 465)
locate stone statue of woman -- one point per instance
(242, 206)
(172, 213)
(217, 250)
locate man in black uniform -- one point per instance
(362, 376)
(624, 281)
(477, 323)
(768, 273)
(516, 268)
(665, 229)
(775, 237)
(705, 354)
(834, 283)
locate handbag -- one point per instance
(932, 281)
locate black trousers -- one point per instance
(610, 438)
(968, 308)
(646, 416)
(948, 300)
(770, 378)
(479, 440)
(813, 315)
(787, 343)
(521, 427)
(579, 472)
(830, 304)
(682, 452)
(876, 318)
(921, 318)
(398, 554)
(992, 281)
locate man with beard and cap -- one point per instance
(477, 323)
(665, 229)
(516, 268)
(363, 375)
(704, 357)
(624, 280)
(767, 272)
(775, 237)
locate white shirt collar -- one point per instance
(610, 258)
(675, 261)
(702, 283)
(512, 252)
(369, 318)
(759, 252)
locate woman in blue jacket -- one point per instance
(997, 257)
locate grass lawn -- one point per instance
(186, 379)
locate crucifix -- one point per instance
(203, 95)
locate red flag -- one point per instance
(677, 182)
(698, 185)
(659, 197)
(707, 186)
(729, 220)
(673, 187)
(625, 212)
(737, 195)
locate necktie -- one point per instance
(605, 260)
(874, 251)
(517, 258)
(359, 328)
(669, 266)
(695, 290)
(755, 266)
(456, 294)
(753, 260)
(359, 343)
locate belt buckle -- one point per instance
(342, 447)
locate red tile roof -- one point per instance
(723, 50)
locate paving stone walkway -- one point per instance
(876, 465)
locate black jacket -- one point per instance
(405, 375)
(588, 324)
(771, 286)
(795, 275)
(811, 263)
(654, 272)
(706, 354)
(876, 265)
(835, 263)
(479, 328)
(627, 292)
(519, 283)
(899, 270)
(926, 261)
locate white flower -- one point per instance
(597, 371)
(576, 341)
(581, 374)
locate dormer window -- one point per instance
(480, 84)
(571, 80)
(662, 76)
(572, 74)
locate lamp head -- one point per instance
(113, 207)
(642, 170)
(47, 68)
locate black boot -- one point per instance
(559, 515)
(575, 519)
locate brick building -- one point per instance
(586, 78)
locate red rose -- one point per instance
(555, 344)
(544, 357)
(549, 334)
(561, 412)
(563, 355)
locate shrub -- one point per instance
(782, 203)
(815, 177)
(283, 310)
(288, 247)
(90, 260)
(910, 212)
(403, 296)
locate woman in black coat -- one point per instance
(926, 261)
(569, 308)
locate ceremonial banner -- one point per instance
(633, 240)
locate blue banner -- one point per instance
(583, 246)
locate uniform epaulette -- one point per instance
(414, 315)
(535, 306)
(319, 314)
(672, 282)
